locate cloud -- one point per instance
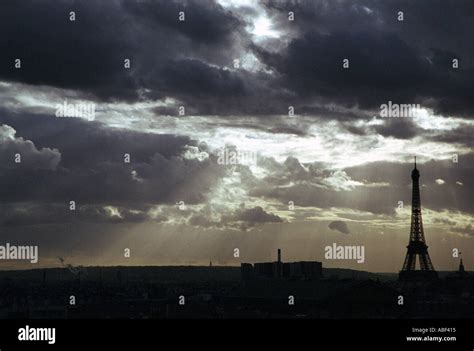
(192, 61)
(93, 169)
(339, 226)
(241, 218)
(204, 22)
(196, 79)
(87, 55)
(29, 214)
(389, 60)
(374, 187)
(461, 136)
(256, 215)
(467, 230)
(400, 128)
(30, 156)
(445, 221)
(339, 180)
(448, 196)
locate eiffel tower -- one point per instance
(417, 246)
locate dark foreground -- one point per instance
(218, 293)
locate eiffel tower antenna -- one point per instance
(417, 247)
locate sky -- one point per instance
(224, 125)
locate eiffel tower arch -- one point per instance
(417, 250)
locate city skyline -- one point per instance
(175, 132)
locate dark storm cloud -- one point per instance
(406, 128)
(92, 168)
(205, 21)
(88, 54)
(339, 226)
(378, 60)
(86, 144)
(256, 215)
(404, 62)
(197, 79)
(241, 218)
(334, 112)
(462, 136)
(382, 68)
(209, 90)
(389, 60)
(248, 218)
(400, 128)
(20, 214)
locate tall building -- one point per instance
(417, 247)
(461, 270)
(281, 270)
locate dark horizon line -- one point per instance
(188, 265)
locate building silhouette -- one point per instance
(461, 272)
(279, 269)
(417, 247)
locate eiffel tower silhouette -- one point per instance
(417, 246)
